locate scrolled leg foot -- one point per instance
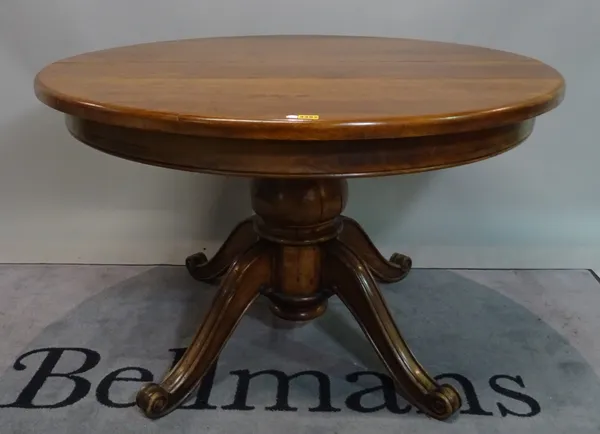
(352, 281)
(195, 261)
(443, 402)
(240, 240)
(388, 271)
(239, 288)
(153, 400)
(402, 261)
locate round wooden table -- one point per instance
(299, 115)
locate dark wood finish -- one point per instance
(245, 87)
(298, 275)
(388, 271)
(299, 211)
(371, 106)
(241, 238)
(241, 286)
(220, 105)
(351, 280)
(306, 253)
(298, 215)
(300, 159)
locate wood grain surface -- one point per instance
(252, 87)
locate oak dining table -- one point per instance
(298, 115)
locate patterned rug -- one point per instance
(522, 348)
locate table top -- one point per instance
(301, 87)
(301, 106)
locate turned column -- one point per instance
(298, 215)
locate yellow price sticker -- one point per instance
(305, 117)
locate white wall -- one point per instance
(537, 206)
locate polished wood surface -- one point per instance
(306, 253)
(241, 238)
(297, 158)
(299, 115)
(388, 271)
(240, 287)
(246, 87)
(351, 280)
(221, 105)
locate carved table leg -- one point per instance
(240, 286)
(355, 237)
(240, 239)
(354, 284)
(298, 250)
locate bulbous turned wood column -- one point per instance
(298, 215)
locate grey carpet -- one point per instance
(522, 347)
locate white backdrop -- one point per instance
(536, 206)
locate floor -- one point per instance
(522, 347)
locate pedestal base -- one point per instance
(298, 250)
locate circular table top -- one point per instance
(358, 87)
(321, 90)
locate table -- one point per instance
(299, 115)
